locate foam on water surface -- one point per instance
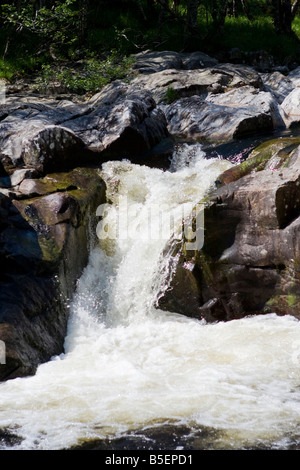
(128, 365)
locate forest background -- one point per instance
(84, 44)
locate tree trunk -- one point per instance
(219, 9)
(83, 24)
(295, 7)
(282, 13)
(191, 22)
(140, 5)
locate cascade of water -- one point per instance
(128, 365)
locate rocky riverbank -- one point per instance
(51, 148)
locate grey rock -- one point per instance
(290, 108)
(250, 98)
(19, 175)
(124, 122)
(197, 60)
(182, 82)
(250, 259)
(40, 264)
(198, 120)
(149, 62)
(294, 76)
(278, 84)
(120, 121)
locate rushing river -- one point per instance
(133, 373)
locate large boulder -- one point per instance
(200, 81)
(46, 227)
(213, 104)
(250, 98)
(125, 122)
(182, 83)
(196, 119)
(250, 260)
(278, 84)
(294, 76)
(32, 135)
(149, 62)
(290, 108)
(118, 122)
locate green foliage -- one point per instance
(53, 35)
(89, 76)
(56, 26)
(171, 95)
(14, 68)
(258, 35)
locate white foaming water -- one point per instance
(128, 365)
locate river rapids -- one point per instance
(130, 369)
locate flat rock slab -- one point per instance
(149, 62)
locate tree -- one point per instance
(218, 13)
(56, 23)
(191, 21)
(283, 13)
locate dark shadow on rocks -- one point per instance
(44, 246)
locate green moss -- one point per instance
(282, 304)
(85, 189)
(273, 154)
(291, 300)
(171, 95)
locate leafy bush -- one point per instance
(90, 76)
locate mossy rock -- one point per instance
(61, 204)
(273, 154)
(284, 305)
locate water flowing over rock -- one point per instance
(249, 263)
(50, 153)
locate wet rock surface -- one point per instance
(51, 148)
(250, 260)
(44, 246)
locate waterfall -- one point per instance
(129, 366)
